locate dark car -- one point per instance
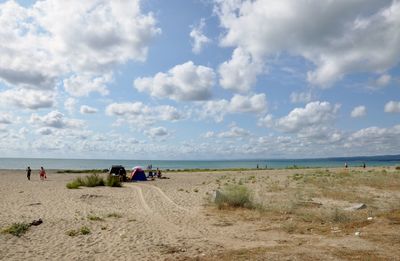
(118, 170)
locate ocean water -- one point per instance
(76, 164)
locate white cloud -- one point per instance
(359, 111)
(50, 39)
(157, 132)
(314, 120)
(5, 118)
(199, 39)
(184, 82)
(240, 73)
(83, 85)
(70, 104)
(138, 112)
(301, 97)
(343, 37)
(256, 103)
(87, 110)
(234, 132)
(55, 119)
(383, 80)
(392, 106)
(209, 134)
(374, 140)
(27, 99)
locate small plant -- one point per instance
(289, 227)
(114, 215)
(73, 185)
(72, 233)
(95, 218)
(234, 196)
(17, 229)
(85, 230)
(82, 231)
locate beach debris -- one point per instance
(356, 207)
(357, 233)
(36, 222)
(370, 218)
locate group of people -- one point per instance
(42, 173)
(154, 174)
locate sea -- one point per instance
(83, 164)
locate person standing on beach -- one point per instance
(42, 174)
(28, 172)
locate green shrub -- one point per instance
(93, 180)
(73, 185)
(17, 229)
(113, 181)
(236, 196)
(85, 230)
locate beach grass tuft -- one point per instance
(113, 181)
(82, 231)
(94, 218)
(236, 196)
(85, 230)
(17, 229)
(93, 180)
(114, 215)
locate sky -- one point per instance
(199, 79)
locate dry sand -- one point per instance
(171, 219)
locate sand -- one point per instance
(165, 219)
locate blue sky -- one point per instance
(200, 79)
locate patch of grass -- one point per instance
(289, 227)
(236, 196)
(72, 233)
(114, 215)
(83, 171)
(84, 230)
(94, 218)
(73, 185)
(113, 181)
(93, 180)
(17, 229)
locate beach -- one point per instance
(300, 214)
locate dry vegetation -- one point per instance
(314, 203)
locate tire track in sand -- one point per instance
(142, 200)
(165, 197)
